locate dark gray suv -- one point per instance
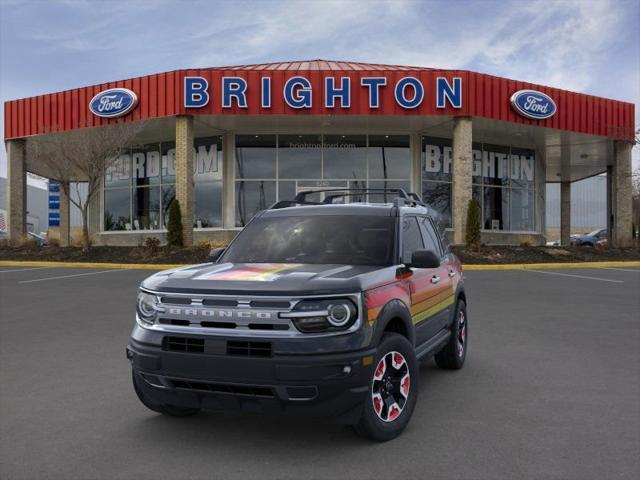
(316, 308)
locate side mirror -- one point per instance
(215, 254)
(424, 259)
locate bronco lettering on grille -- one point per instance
(210, 313)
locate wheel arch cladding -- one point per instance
(395, 317)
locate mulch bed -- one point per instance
(481, 255)
(107, 254)
(513, 254)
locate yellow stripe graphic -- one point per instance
(433, 310)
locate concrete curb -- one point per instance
(166, 266)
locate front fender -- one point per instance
(398, 312)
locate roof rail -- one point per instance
(402, 198)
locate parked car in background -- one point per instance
(590, 239)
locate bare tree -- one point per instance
(82, 156)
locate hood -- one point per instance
(264, 279)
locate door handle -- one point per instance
(435, 279)
(452, 273)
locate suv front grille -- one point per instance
(232, 347)
(183, 344)
(249, 349)
(247, 390)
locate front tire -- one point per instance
(452, 356)
(165, 409)
(393, 390)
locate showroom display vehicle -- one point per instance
(316, 308)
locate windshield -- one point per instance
(594, 233)
(330, 239)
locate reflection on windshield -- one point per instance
(328, 239)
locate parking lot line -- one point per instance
(577, 276)
(636, 270)
(23, 269)
(67, 276)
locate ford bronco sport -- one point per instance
(316, 308)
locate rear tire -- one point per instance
(452, 356)
(393, 390)
(165, 409)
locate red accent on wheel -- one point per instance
(380, 369)
(394, 411)
(377, 404)
(398, 359)
(406, 381)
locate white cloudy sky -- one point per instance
(583, 45)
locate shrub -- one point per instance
(174, 226)
(525, 244)
(472, 235)
(54, 242)
(152, 245)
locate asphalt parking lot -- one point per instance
(551, 389)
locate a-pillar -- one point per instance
(184, 174)
(621, 193)
(462, 175)
(65, 218)
(16, 191)
(565, 213)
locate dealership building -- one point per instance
(228, 142)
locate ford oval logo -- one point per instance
(114, 102)
(533, 104)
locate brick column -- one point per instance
(16, 191)
(621, 185)
(462, 175)
(184, 174)
(228, 181)
(565, 213)
(65, 218)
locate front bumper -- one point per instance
(333, 385)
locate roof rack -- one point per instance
(402, 197)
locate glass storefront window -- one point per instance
(168, 194)
(496, 208)
(145, 165)
(255, 156)
(496, 172)
(152, 172)
(146, 208)
(438, 196)
(344, 157)
(251, 197)
(436, 159)
(522, 209)
(118, 174)
(389, 156)
(117, 204)
(300, 156)
(168, 162)
(522, 165)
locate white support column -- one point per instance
(462, 175)
(184, 174)
(565, 213)
(622, 188)
(228, 180)
(16, 191)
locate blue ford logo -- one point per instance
(114, 102)
(533, 104)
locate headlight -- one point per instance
(147, 307)
(310, 316)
